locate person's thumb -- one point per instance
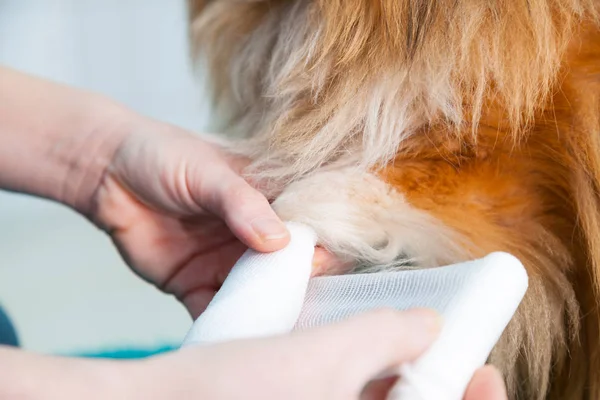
(375, 342)
(244, 209)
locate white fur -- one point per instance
(359, 217)
(370, 118)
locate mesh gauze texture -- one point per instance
(268, 294)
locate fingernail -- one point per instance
(427, 321)
(269, 229)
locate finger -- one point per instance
(197, 301)
(245, 211)
(378, 389)
(371, 343)
(197, 282)
(325, 263)
(487, 384)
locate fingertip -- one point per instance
(249, 216)
(254, 241)
(271, 245)
(325, 263)
(270, 232)
(378, 389)
(487, 383)
(257, 239)
(386, 338)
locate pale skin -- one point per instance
(180, 214)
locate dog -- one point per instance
(420, 133)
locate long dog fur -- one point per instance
(418, 133)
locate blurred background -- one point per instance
(61, 280)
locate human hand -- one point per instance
(179, 211)
(339, 361)
(181, 215)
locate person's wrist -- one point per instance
(163, 377)
(108, 379)
(56, 139)
(87, 154)
(28, 375)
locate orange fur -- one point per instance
(485, 115)
(539, 201)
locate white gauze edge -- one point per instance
(262, 295)
(268, 294)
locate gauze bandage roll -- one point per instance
(268, 294)
(262, 295)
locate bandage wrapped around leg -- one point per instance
(268, 294)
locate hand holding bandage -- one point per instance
(266, 294)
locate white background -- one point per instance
(60, 278)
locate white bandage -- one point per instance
(268, 294)
(262, 295)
